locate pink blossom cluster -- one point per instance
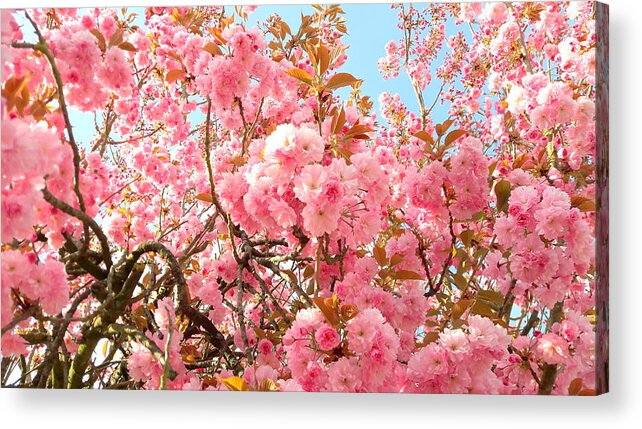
(30, 151)
(445, 245)
(537, 219)
(91, 75)
(43, 282)
(242, 79)
(292, 184)
(371, 344)
(461, 360)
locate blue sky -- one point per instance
(370, 27)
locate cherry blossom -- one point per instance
(246, 217)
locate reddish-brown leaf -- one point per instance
(340, 80)
(174, 75)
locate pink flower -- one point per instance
(13, 344)
(320, 220)
(314, 377)
(553, 197)
(282, 213)
(54, 290)
(327, 337)
(552, 349)
(142, 366)
(517, 100)
(290, 146)
(265, 346)
(532, 261)
(552, 222)
(344, 375)
(455, 341)
(331, 192)
(494, 13)
(308, 184)
(263, 373)
(523, 198)
(469, 169)
(428, 362)
(310, 144)
(296, 190)
(362, 330)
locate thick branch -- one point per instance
(181, 296)
(85, 219)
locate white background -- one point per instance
(622, 407)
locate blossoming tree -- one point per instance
(235, 224)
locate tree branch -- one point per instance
(87, 220)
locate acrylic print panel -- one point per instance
(351, 198)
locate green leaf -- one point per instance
(491, 168)
(477, 217)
